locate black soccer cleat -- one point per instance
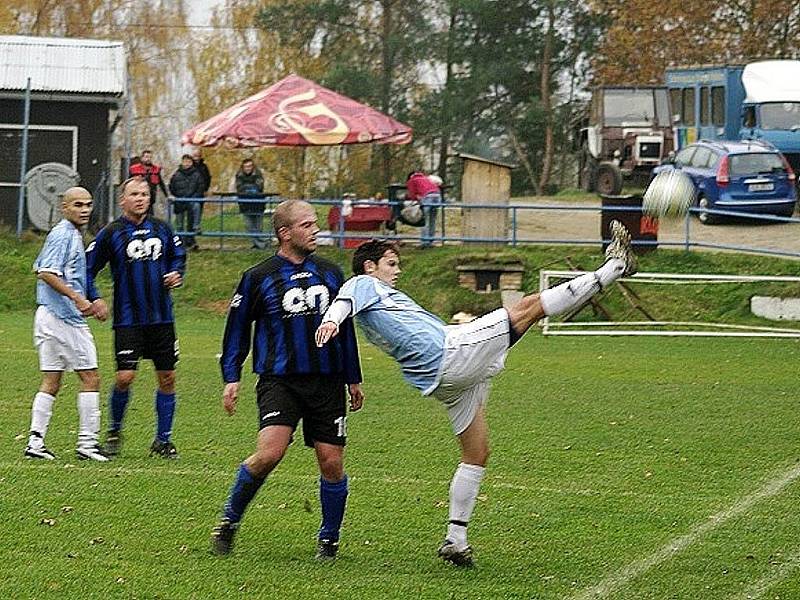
(40, 452)
(460, 558)
(222, 537)
(163, 449)
(326, 550)
(113, 443)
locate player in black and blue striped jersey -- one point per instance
(147, 261)
(278, 305)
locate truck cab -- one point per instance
(628, 132)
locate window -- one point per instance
(705, 116)
(46, 143)
(684, 157)
(701, 157)
(752, 164)
(687, 114)
(780, 115)
(718, 106)
(676, 97)
(749, 117)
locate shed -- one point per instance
(77, 88)
(485, 181)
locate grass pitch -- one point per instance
(624, 468)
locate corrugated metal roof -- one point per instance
(68, 65)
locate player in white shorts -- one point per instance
(454, 363)
(60, 332)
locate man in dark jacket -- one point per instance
(202, 168)
(187, 182)
(249, 186)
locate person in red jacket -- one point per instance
(421, 188)
(151, 172)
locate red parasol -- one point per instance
(297, 112)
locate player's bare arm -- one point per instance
(356, 396)
(173, 280)
(325, 333)
(85, 307)
(100, 309)
(229, 397)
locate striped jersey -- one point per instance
(278, 305)
(62, 255)
(140, 256)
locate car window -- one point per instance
(700, 158)
(752, 164)
(684, 157)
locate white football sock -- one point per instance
(88, 418)
(576, 292)
(40, 418)
(463, 493)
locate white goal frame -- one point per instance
(635, 328)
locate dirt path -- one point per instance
(542, 225)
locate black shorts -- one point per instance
(156, 342)
(319, 400)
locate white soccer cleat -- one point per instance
(40, 452)
(670, 194)
(620, 248)
(93, 452)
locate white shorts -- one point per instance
(473, 353)
(62, 346)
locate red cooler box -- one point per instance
(363, 218)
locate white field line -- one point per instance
(763, 585)
(623, 576)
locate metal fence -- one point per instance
(451, 212)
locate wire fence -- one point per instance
(223, 223)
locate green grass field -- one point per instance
(621, 468)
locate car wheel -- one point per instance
(705, 218)
(609, 179)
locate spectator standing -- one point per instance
(250, 185)
(202, 168)
(151, 172)
(421, 188)
(188, 182)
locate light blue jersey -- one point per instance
(63, 255)
(400, 327)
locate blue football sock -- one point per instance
(244, 489)
(332, 497)
(118, 403)
(165, 413)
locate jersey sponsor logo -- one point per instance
(141, 232)
(303, 275)
(149, 249)
(299, 301)
(269, 415)
(236, 300)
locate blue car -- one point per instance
(746, 176)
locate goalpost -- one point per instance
(667, 328)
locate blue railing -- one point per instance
(514, 237)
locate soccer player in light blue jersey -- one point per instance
(60, 332)
(454, 363)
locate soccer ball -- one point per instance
(670, 194)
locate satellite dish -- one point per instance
(44, 186)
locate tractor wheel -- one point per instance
(609, 179)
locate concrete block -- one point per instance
(775, 309)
